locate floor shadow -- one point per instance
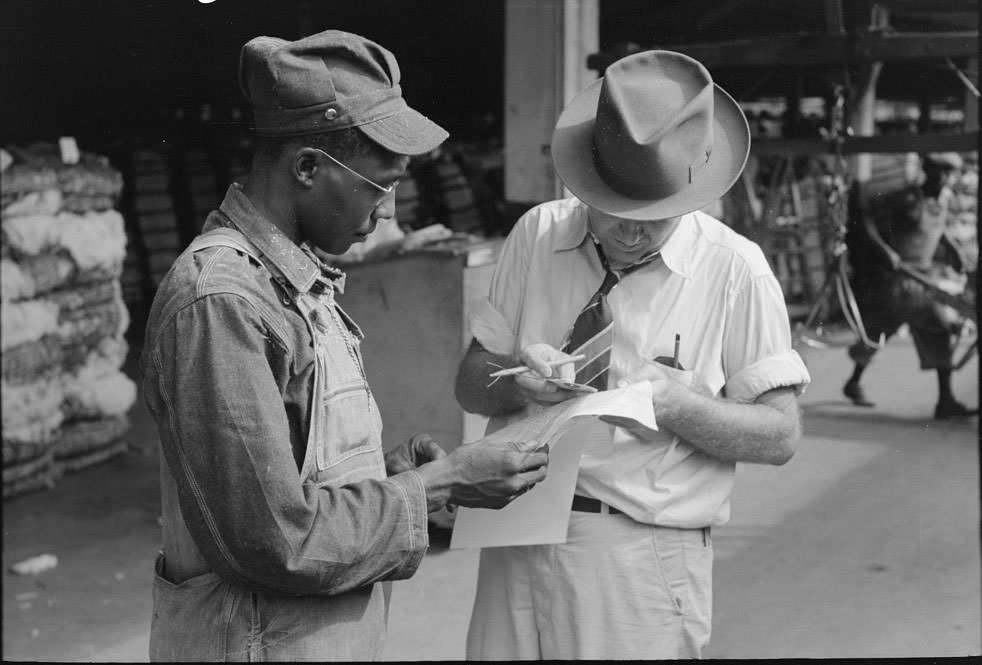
(836, 419)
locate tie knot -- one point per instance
(610, 280)
(645, 260)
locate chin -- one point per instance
(624, 256)
(333, 249)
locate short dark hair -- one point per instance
(343, 144)
(935, 172)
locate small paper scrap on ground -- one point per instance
(35, 565)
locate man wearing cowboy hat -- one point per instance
(684, 302)
(280, 514)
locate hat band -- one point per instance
(330, 116)
(670, 182)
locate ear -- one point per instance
(304, 166)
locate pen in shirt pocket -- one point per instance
(672, 362)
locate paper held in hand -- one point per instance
(542, 515)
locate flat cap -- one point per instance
(330, 81)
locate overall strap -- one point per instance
(224, 237)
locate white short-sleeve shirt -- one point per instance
(711, 286)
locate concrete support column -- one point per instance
(971, 101)
(546, 46)
(863, 116)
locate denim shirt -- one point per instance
(274, 491)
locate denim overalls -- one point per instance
(206, 618)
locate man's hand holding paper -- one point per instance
(571, 427)
(540, 385)
(486, 474)
(487, 488)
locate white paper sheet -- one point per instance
(542, 515)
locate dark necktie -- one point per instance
(593, 330)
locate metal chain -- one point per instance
(838, 202)
(836, 185)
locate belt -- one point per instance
(584, 504)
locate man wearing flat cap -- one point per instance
(281, 514)
(631, 275)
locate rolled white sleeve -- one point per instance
(778, 371)
(494, 321)
(758, 354)
(491, 329)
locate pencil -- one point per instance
(522, 368)
(675, 358)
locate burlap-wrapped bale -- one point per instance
(83, 443)
(62, 317)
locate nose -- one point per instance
(385, 208)
(630, 230)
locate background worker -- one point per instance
(642, 150)
(280, 514)
(909, 228)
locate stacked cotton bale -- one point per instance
(457, 196)
(205, 196)
(65, 398)
(964, 212)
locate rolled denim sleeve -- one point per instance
(226, 437)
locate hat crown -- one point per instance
(328, 66)
(332, 81)
(654, 124)
(653, 139)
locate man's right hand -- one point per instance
(893, 258)
(533, 385)
(484, 474)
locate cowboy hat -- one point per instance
(652, 139)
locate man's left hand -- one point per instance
(418, 450)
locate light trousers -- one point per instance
(617, 589)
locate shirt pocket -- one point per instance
(346, 424)
(348, 445)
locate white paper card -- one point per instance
(542, 515)
(69, 150)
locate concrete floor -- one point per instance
(866, 544)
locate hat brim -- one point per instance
(407, 132)
(572, 155)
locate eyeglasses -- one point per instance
(384, 190)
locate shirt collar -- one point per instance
(676, 253)
(574, 232)
(298, 265)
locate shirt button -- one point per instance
(331, 114)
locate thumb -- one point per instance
(539, 365)
(646, 373)
(536, 356)
(525, 446)
(433, 449)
